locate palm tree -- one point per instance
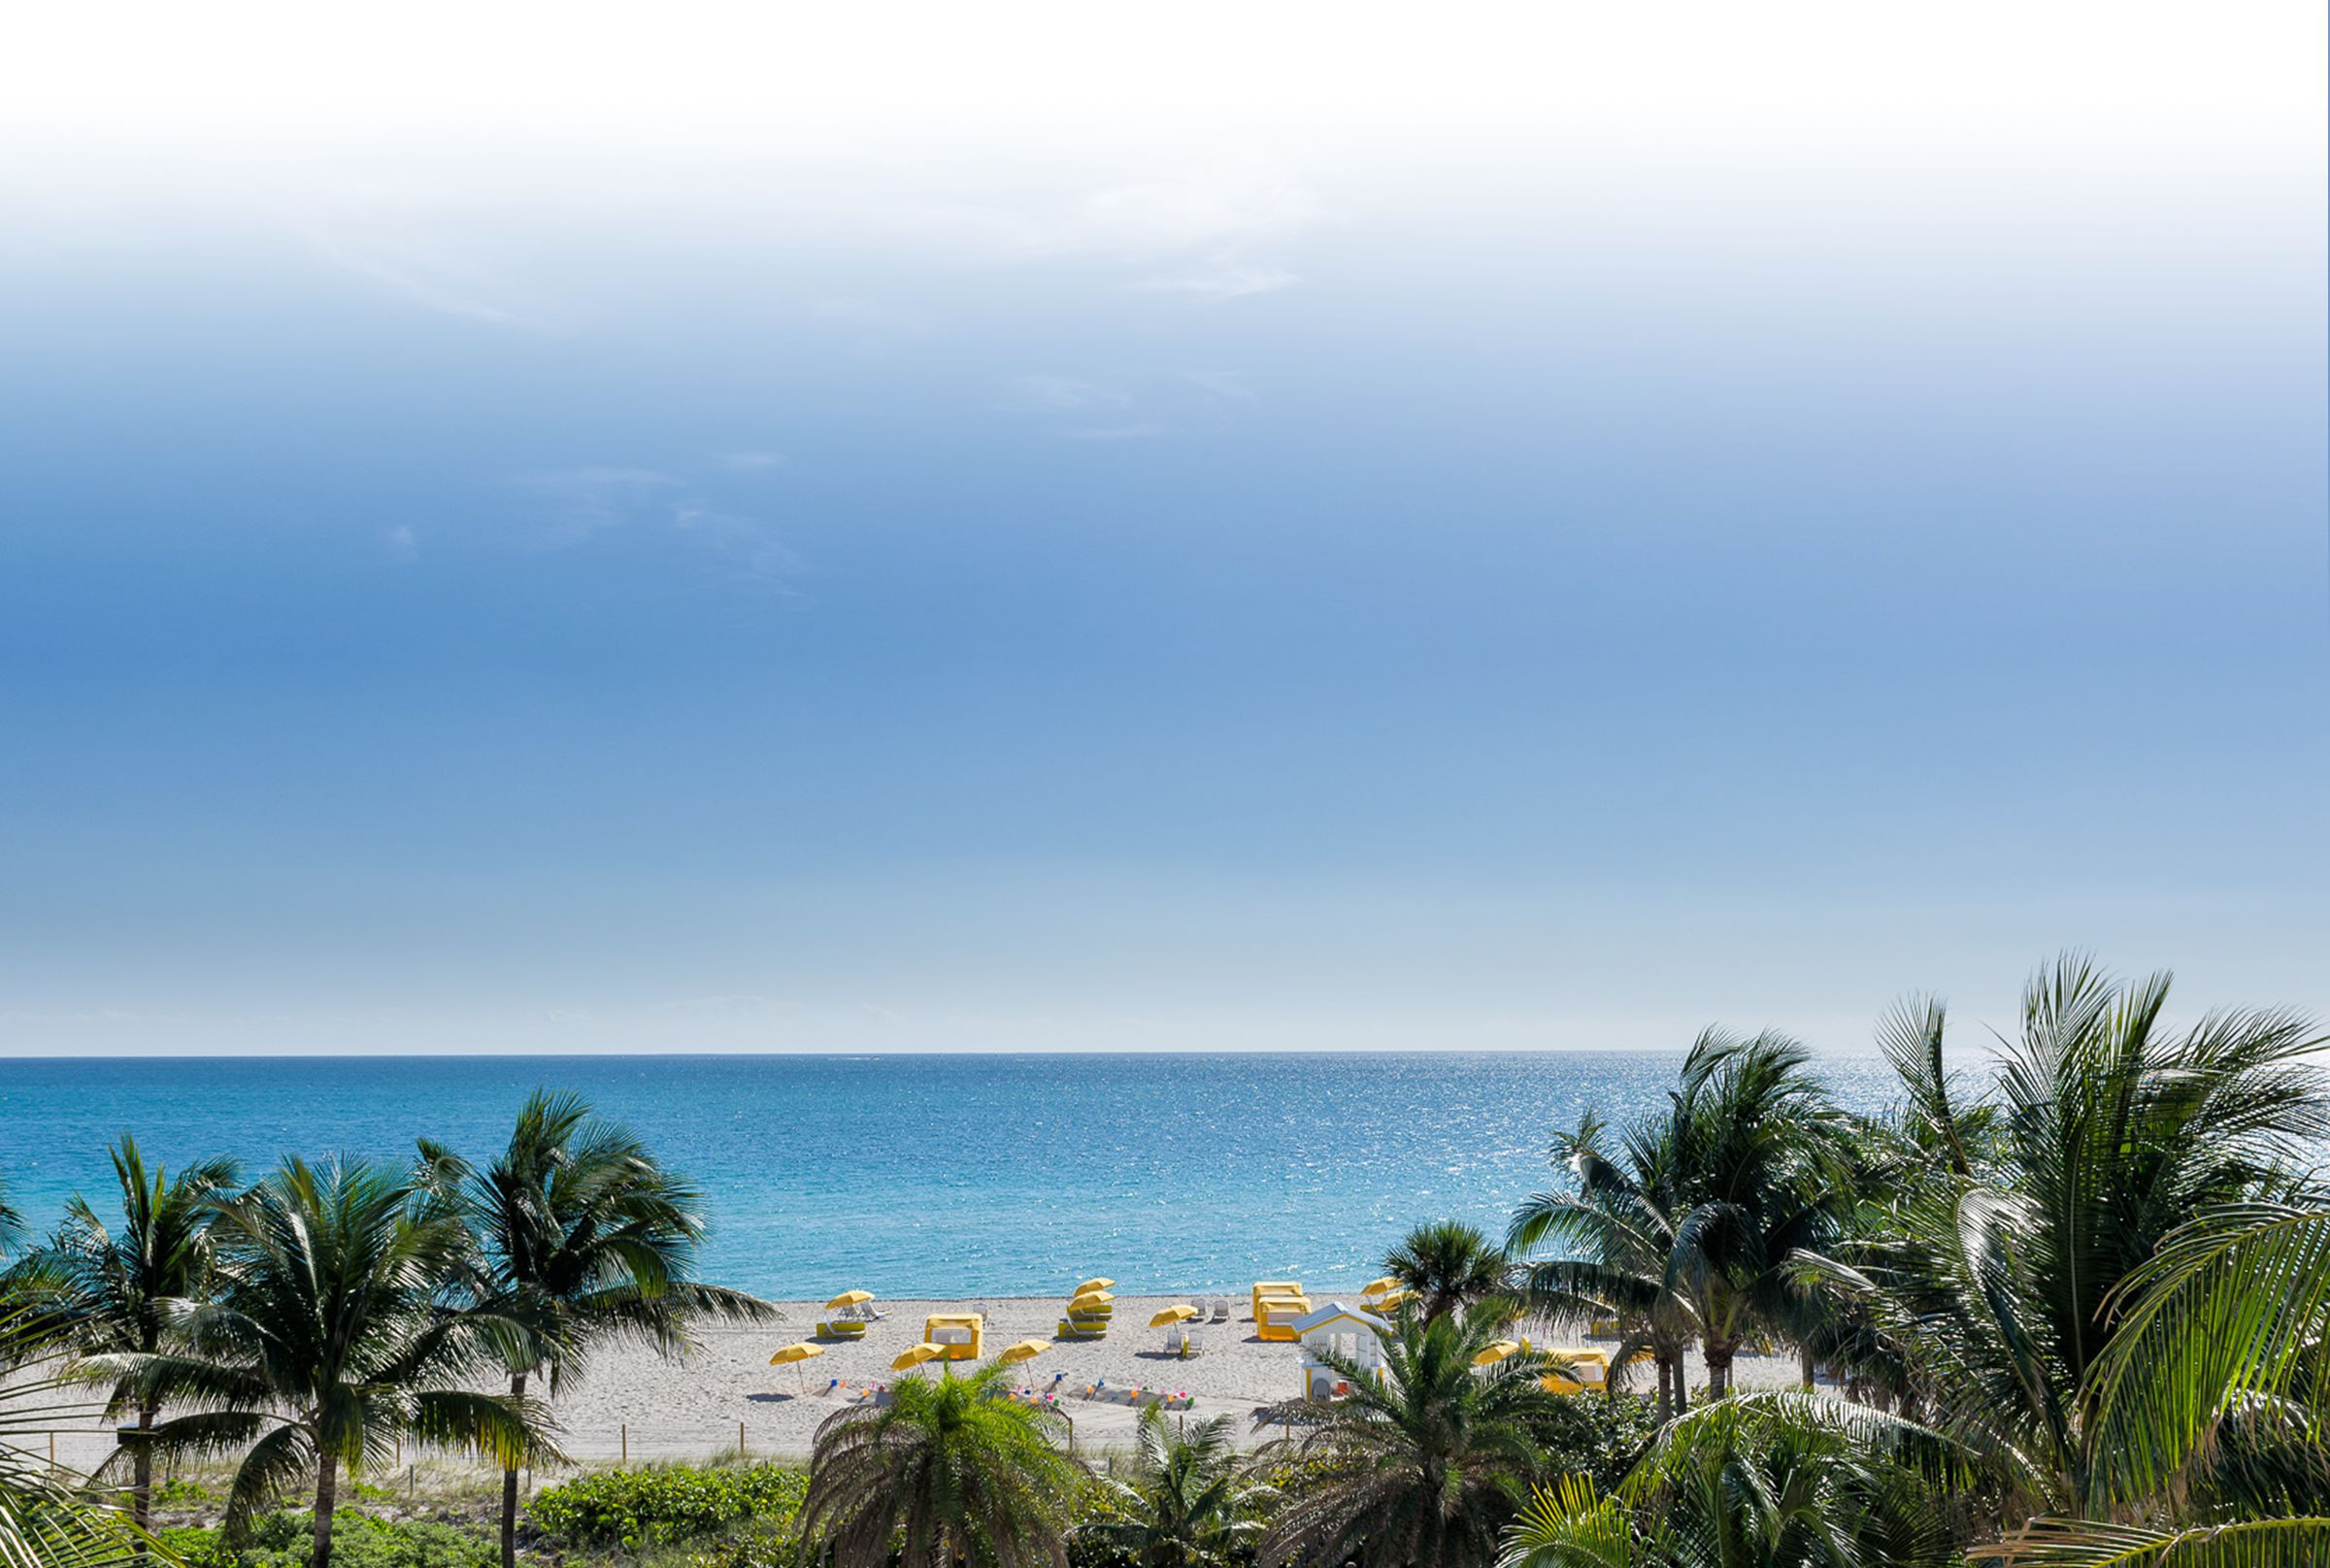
(325, 1344)
(1448, 1266)
(47, 1519)
(1763, 1183)
(951, 1471)
(2208, 1405)
(1769, 1480)
(1999, 1279)
(101, 1291)
(1188, 1505)
(580, 1237)
(1425, 1466)
(1616, 1231)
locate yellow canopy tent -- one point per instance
(915, 1355)
(1172, 1316)
(1273, 1288)
(955, 1335)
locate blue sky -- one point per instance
(524, 588)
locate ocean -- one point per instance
(922, 1175)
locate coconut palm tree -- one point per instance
(1190, 1504)
(1448, 1266)
(1763, 1181)
(48, 1520)
(1757, 1482)
(101, 1290)
(1425, 1466)
(325, 1344)
(2208, 1405)
(2001, 1274)
(580, 1237)
(1614, 1231)
(951, 1471)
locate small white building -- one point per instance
(1348, 1333)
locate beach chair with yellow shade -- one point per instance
(846, 1316)
(957, 1334)
(1089, 1312)
(1592, 1368)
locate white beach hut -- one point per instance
(1348, 1333)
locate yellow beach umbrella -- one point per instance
(795, 1354)
(1496, 1351)
(1172, 1316)
(1395, 1298)
(1028, 1349)
(1098, 1298)
(1096, 1283)
(848, 1298)
(916, 1355)
(1383, 1286)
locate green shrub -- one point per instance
(637, 1507)
(358, 1541)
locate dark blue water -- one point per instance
(922, 1176)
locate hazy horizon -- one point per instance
(1049, 531)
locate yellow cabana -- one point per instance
(1275, 1315)
(1496, 1351)
(913, 1355)
(956, 1334)
(1028, 1349)
(1095, 1283)
(1172, 1316)
(848, 1298)
(1593, 1369)
(1274, 1287)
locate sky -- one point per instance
(1043, 527)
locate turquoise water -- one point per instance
(930, 1175)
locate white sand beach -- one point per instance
(633, 1402)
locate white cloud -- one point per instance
(1224, 279)
(1062, 394)
(578, 503)
(421, 274)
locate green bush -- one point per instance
(358, 1541)
(637, 1507)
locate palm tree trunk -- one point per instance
(140, 1485)
(1805, 1362)
(327, 1489)
(517, 1390)
(1719, 1352)
(1666, 1387)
